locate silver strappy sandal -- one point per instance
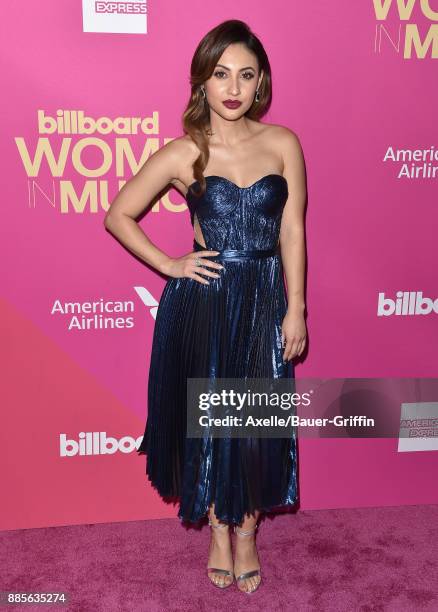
(217, 570)
(251, 573)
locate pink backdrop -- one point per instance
(342, 83)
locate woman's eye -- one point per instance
(246, 75)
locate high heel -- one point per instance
(217, 570)
(251, 573)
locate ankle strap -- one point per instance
(218, 525)
(243, 532)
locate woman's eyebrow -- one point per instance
(226, 67)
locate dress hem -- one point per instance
(234, 521)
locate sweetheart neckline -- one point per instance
(233, 183)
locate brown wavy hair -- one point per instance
(196, 117)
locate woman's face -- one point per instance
(232, 86)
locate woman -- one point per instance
(224, 311)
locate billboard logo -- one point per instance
(406, 303)
(395, 33)
(96, 443)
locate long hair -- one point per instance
(196, 117)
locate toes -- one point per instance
(249, 584)
(219, 579)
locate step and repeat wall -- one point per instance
(90, 91)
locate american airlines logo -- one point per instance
(148, 300)
(96, 443)
(103, 314)
(406, 303)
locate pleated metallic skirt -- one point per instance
(230, 328)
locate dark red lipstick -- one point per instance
(232, 103)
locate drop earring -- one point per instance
(257, 96)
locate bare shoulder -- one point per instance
(180, 150)
(167, 164)
(184, 153)
(285, 139)
(289, 147)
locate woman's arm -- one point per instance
(136, 195)
(157, 172)
(292, 234)
(292, 243)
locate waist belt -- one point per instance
(238, 255)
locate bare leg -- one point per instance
(246, 557)
(220, 553)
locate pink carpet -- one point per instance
(365, 559)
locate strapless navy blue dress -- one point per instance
(230, 328)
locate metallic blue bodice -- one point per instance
(233, 217)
